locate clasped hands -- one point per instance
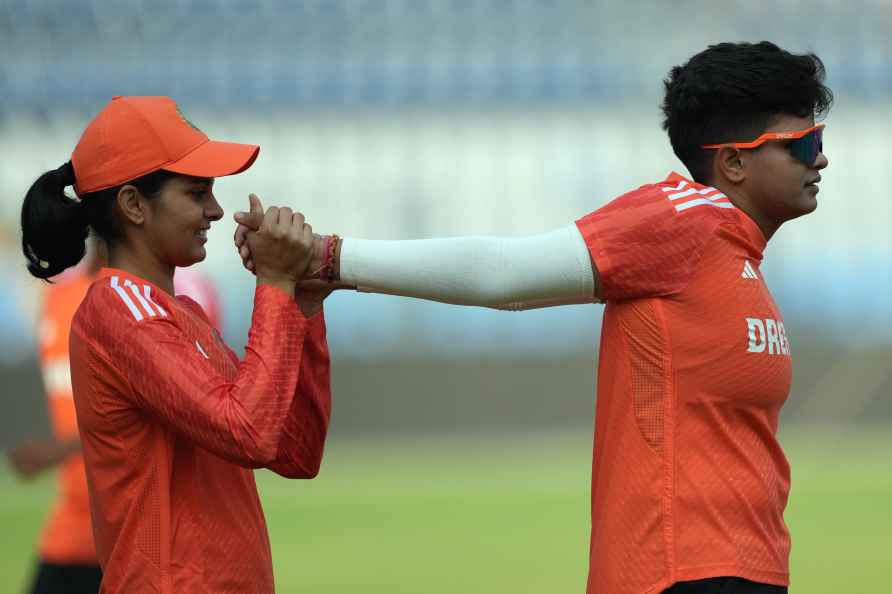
(279, 247)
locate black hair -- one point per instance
(732, 92)
(55, 225)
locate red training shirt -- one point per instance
(171, 424)
(688, 479)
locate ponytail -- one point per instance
(54, 225)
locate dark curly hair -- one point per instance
(732, 91)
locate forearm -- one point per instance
(33, 457)
(507, 273)
(303, 436)
(240, 418)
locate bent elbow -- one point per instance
(261, 458)
(313, 466)
(311, 471)
(302, 469)
(260, 454)
(311, 461)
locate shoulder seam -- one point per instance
(137, 298)
(685, 196)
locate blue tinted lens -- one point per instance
(807, 148)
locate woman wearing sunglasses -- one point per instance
(171, 422)
(689, 482)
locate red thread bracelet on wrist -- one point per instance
(331, 247)
(320, 272)
(326, 272)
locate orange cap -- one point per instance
(134, 136)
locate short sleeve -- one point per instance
(642, 246)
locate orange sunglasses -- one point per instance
(806, 146)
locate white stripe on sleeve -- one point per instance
(147, 291)
(126, 299)
(142, 300)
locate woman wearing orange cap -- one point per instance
(171, 422)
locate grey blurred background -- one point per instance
(411, 119)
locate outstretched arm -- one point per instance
(506, 273)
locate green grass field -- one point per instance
(507, 514)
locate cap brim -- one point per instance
(216, 159)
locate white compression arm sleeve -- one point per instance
(505, 273)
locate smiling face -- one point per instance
(177, 220)
(779, 187)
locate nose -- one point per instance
(821, 162)
(213, 211)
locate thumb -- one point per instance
(256, 206)
(252, 219)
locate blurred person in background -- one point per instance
(689, 482)
(66, 555)
(171, 422)
(201, 289)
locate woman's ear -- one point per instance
(132, 204)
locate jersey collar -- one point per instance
(106, 272)
(753, 232)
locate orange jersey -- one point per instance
(172, 424)
(688, 480)
(67, 537)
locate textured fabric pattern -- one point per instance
(647, 371)
(67, 537)
(688, 479)
(172, 423)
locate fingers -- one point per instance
(299, 229)
(270, 220)
(241, 232)
(286, 217)
(247, 222)
(241, 244)
(256, 205)
(245, 254)
(307, 238)
(253, 219)
(281, 244)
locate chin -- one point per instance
(193, 257)
(199, 256)
(809, 202)
(803, 206)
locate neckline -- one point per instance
(754, 233)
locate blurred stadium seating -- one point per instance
(446, 53)
(402, 118)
